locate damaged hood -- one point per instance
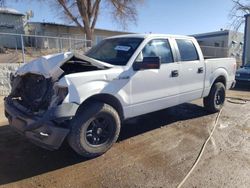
(49, 66)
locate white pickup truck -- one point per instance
(86, 97)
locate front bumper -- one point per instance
(239, 79)
(41, 130)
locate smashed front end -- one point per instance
(30, 111)
(35, 105)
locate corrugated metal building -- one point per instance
(11, 21)
(225, 43)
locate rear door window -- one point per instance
(187, 50)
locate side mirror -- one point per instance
(148, 63)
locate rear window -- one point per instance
(187, 50)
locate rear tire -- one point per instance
(94, 129)
(216, 98)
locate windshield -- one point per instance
(116, 51)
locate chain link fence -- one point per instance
(18, 48)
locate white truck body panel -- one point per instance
(141, 92)
(219, 67)
(86, 97)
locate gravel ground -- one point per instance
(154, 150)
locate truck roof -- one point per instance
(151, 36)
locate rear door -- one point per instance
(192, 70)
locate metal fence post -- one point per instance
(48, 42)
(23, 54)
(85, 43)
(61, 45)
(58, 45)
(70, 44)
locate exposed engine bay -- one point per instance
(75, 65)
(37, 91)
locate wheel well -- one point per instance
(108, 99)
(221, 79)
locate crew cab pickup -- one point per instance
(85, 98)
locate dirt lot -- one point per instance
(154, 150)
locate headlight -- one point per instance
(62, 92)
(237, 74)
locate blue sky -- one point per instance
(156, 16)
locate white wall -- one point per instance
(5, 70)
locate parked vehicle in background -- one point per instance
(86, 97)
(243, 74)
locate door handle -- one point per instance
(200, 70)
(175, 73)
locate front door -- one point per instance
(152, 89)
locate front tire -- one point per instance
(216, 98)
(94, 129)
